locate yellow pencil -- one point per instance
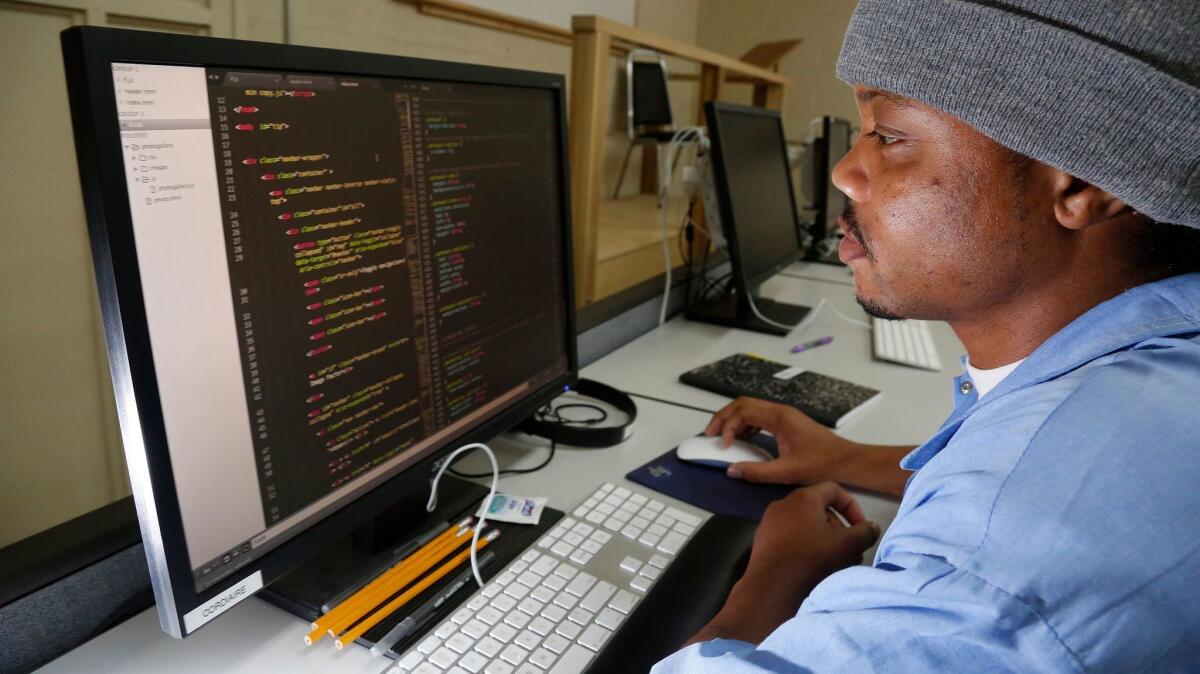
(398, 582)
(320, 625)
(418, 588)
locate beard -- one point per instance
(877, 310)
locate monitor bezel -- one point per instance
(746, 280)
(88, 53)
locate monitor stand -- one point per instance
(370, 549)
(731, 311)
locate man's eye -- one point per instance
(881, 139)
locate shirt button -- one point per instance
(966, 388)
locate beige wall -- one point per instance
(734, 26)
(60, 454)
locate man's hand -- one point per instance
(798, 544)
(808, 451)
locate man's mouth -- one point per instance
(852, 242)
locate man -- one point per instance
(1016, 166)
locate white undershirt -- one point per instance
(986, 380)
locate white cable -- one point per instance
(665, 174)
(486, 504)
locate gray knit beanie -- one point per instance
(1106, 90)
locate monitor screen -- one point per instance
(754, 182)
(837, 140)
(337, 265)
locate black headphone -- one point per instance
(582, 433)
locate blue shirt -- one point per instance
(1051, 526)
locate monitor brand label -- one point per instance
(221, 603)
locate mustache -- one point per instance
(854, 228)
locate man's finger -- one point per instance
(864, 534)
(832, 494)
(730, 430)
(758, 471)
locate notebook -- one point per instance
(828, 400)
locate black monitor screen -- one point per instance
(752, 153)
(341, 273)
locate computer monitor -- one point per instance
(833, 144)
(753, 185)
(319, 271)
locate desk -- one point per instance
(256, 636)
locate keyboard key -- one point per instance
(460, 642)
(462, 616)
(580, 616)
(504, 603)
(447, 629)
(651, 572)
(443, 657)
(427, 668)
(656, 505)
(517, 619)
(505, 578)
(638, 499)
(686, 518)
(658, 562)
(671, 543)
(541, 626)
(473, 662)
(594, 637)
(574, 660)
(581, 512)
(568, 629)
(601, 537)
(640, 583)
(542, 593)
(545, 542)
(530, 556)
(561, 548)
(518, 567)
(568, 522)
(583, 529)
(629, 508)
(566, 571)
(412, 659)
(605, 508)
(665, 521)
(555, 582)
(498, 667)
(582, 583)
(622, 492)
(685, 529)
(581, 557)
(591, 547)
(554, 613)
(475, 629)
(531, 606)
(573, 539)
(656, 529)
(610, 618)
(631, 531)
(649, 540)
(491, 590)
(514, 654)
(595, 600)
(596, 517)
(631, 564)
(542, 658)
(429, 645)
(613, 524)
(527, 640)
(489, 615)
(556, 643)
(623, 601)
(477, 602)
(605, 488)
(489, 647)
(566, 600)
(502, 632)
(517, 591)
(622, 515)
(639, 522)
(544, 565)
(529, 579)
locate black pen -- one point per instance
(417, 619)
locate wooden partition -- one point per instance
(595, 40)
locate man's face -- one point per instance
(940, 220)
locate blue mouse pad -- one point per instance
(708, 488)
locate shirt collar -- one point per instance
(1158, 309)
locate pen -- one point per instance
(419, 617)
(810, 345)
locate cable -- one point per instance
(665, 173)
(486, 504)
(554, 416)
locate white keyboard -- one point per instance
(905, 342)
(554, 608)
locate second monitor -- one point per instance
(753, 187)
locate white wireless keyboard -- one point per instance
(905, 342)
(554, 608)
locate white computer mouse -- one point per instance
(707, 451)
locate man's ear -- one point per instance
(1079, 204)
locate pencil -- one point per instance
(398, 581)
(398, 555)
(413, 591)
(320, 625)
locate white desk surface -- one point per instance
(256, 636)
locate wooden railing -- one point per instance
(595, 38)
